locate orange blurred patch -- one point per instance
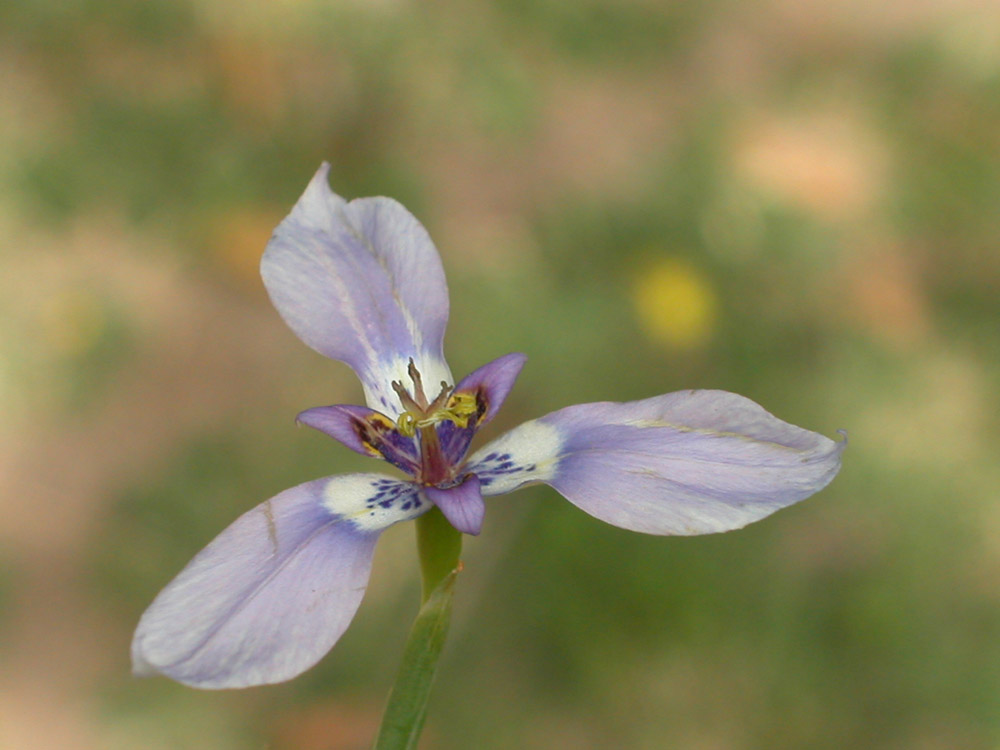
(827, 164)
(886, 296)
(327, 726)
(237, 242)
(250, 77)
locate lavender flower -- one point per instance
(361, 282)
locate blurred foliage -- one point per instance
(798, 202)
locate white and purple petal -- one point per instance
(691, 462)
(361, 282)
(489, 386)
(272, 593)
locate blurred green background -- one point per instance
(797, 200)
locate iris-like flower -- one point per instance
(361, 282)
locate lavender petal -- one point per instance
(691, 462)
(361, 282)
(272, 593)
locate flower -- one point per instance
(361, 282)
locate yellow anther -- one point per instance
(462, 404)
(460, 407)
(407, 424)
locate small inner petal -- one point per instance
(462, 505)
(380, 437)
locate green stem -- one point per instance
(439, 546)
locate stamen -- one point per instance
(407, 424)
(419, 415)
(460, 407)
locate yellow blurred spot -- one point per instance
(72, 322)
(675, 304)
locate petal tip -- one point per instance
(141, 667)
(323, 174)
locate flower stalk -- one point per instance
(439, 546)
